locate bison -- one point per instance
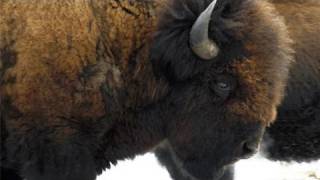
(87, 83)
(295, 135)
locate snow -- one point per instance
(257, 168)
(271, 170)
(142, 168)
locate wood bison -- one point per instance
(87, 83)
(295, 135)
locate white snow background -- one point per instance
(257, 168)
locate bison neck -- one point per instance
(133, 133)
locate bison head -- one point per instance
(227, 64)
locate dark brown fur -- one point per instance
(84, 84)
(294, 136)
(72, 63)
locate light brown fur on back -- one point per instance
(66, 50)
(303, 21)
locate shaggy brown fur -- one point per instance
(62, 52)
(66, 64)
(86, 83)
(295, 134)
(303, 24)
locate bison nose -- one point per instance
(249, 148)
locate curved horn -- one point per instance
(200, 43)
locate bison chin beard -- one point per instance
(197, 169)
(202, 171)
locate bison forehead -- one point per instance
(254, 46)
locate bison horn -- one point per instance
(200, 43)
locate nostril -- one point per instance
(249, 149)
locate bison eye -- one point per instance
(223, 85)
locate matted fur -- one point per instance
(294, 136)
(87, 83)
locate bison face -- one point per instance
(207, 133)
(227, 63)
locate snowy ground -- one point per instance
(257, 168)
